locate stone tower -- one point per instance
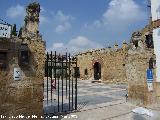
(31, 26)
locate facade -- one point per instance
(109, 64)
(103, 64)
(22, 60)
(127, 64)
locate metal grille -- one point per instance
(60, 84)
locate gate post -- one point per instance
(21, 83)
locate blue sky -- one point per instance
(78, 25)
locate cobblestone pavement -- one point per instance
(99, 101)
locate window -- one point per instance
(135, 43)
(149, 41)
(24, 55)
(3, 59)
(86, 72)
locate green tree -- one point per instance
(20, 32)
(14, 32)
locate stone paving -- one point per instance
(99, 94)
(99, 101)
(91, 95)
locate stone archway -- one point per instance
(97, 70)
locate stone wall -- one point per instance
(136, 67)
(112, 64)
(137, 63)
(127, 64)
(24, 96)
(113, 60)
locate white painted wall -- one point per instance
(5, 30)
(156, 39)
(155, 11)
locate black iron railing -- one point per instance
(60, 85)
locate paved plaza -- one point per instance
(99, 101)
(96, 95)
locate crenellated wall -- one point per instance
(127, 64)
(112, 63)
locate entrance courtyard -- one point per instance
(65, 66)
(99, 101)
(90, 95)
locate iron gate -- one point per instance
(60, 84)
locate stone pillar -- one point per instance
(136, 66)
(24, 96)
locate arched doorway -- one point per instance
(97, 71)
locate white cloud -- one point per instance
(15, 11)
(63, 27)
(97, 23)
(123, 12)
(75, 45)
(43, 9)
(58, 45)
(19, 11)
(120, 14)
(61, 17)
(63, 21)
(43, 19)
(81, 43)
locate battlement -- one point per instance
(105, 50)
(141, 40)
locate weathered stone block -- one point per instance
(25, 95)
(37, 93)
(157, 87)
